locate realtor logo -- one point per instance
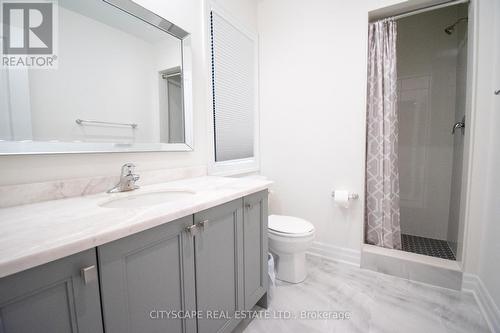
(28, 29)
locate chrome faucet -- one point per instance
(460, 124)
(127, 179)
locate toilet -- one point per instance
(289, 239)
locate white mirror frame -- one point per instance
(29, 147)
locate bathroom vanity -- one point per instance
(186, 265)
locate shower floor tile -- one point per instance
(427, 246)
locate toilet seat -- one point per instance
(289, 226)
(289, 239)
(285, 235)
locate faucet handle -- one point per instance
(128, 168)
(127, 179)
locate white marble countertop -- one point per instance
(38, 233)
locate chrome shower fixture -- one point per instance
(451, 28)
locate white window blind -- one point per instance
(233, 89)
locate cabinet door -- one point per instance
(255, 247)
(52, 298)
(146, 276)
(219, 269)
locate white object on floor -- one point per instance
(272, 276)
(270, 267)
(289, 239)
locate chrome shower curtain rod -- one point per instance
(426, 9)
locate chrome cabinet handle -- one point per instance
(497, 92)
(89, 274)
(203, 224)
(192, 230)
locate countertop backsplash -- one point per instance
(22, 194)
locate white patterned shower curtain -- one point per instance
(382, 176)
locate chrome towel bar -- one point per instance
(83, 122)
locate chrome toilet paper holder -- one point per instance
(351, 196)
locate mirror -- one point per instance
(121, 82)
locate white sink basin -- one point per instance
(147, 199)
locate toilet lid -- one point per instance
(289, 224)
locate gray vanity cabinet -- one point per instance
(255, 249)
(219, 266)
(53, 297)
(147, 275)
(212, 263)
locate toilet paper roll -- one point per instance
(342, 198)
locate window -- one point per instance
(233, 52)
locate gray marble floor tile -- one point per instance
(376, 303)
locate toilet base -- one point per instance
(291, 267)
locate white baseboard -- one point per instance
(335, 253)
(472, 283)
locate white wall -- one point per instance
(481, 247)
(313, 93)
(483, 255)
(484, 127)
(188, 14)
(427, 62)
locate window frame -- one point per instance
(244, 165)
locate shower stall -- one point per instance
(432, 76)
(429, 115)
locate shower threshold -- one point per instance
(412, 266)
(427, 246)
